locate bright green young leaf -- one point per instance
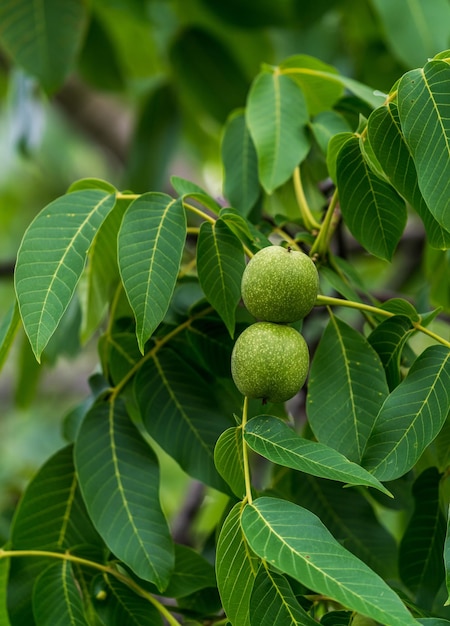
(119, 480)
(192, 572)
(388, 340)
(51, 259)
(122, 606)
(276, 117)
(388, 143)
(421, 566)
(415, 31)
(229, 461)
(180, 412)
(240, 164)
(56, 597)
(273, 602)
(220, 264)
(373, 211)
(91, 183)
(150, 246)
(185, 187)
(422, 105)
(8, 329)
(411, 417)
(4, 574)
(43, 37)
(275, 440)
(236, 569)
(51, 513)
(296, 542)
(347, 387)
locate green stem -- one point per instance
(65, 556)
(308, 217)
(320, 246)
(247, 479)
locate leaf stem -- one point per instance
(322, 242)
(247, 479)
(308, 218)
(199, 212)
(66, 556)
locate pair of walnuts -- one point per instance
(270, 359)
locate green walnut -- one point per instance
(279, 285)
(270, 361)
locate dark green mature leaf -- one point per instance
(297, 543)
(411, 417)
(421, 566)
(51, 259)
(273, 602)
(180, 412)
(388, 143)
(276, 441)
(220, 264)
(228, 457)
(192, 572)
(123, 606)
(119, 480)
(388, 340)
(43, 37)
(150, 247)
(56, 598)
(337, 618)
(240, 164)
(276, 116)
(347, 387)
(347, 514)
(373, 211)
(4, 573)
(422, 105)
(416, 31)
(8, 329)
(236, 569)
(433, 621)
(212, 345)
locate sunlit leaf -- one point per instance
(150, 246)
(220, 264)
(422, 106)
(119, 480)
(373, 211)
(43, 37)
(56, 598)
(51, 259)
(236, 569)
(276, 441)
(276, 116)
(342, 404)
(228, 457)
(296, 542)
(411, 417)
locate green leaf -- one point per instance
(43, 37)
(388, 143)
(192, 572)
(56, 598)
(437, 268)
(240, 165)
(421, 566)
(296, 542)
(220, 264)
(411, 417)
(91, 183)
(388, 340)
(51, 259)
(326, 125)
(51, 513)
(346, 389)
(276, 441)
(276, 117)
(150, 247)
(228, 457)
(212, 344)
(337, 618)
(236, 569)
(180, 412)
(8, 329)
(273, 602)
(373, 211)
(4, 574)
(433, 621)
(123, 606)
(119, 480)
(415, 31)
(422, 105)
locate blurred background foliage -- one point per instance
(137, 91)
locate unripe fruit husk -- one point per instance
(280, 285)
(270, 361)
